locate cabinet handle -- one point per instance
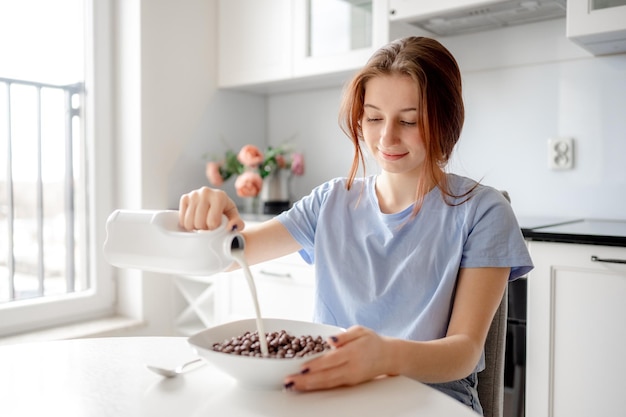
(276, 274)
(608, 260)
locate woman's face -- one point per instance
(389, 124)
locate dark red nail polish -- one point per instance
(334, 339)
(289, 385)
(305, 371)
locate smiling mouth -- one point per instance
(392, 156)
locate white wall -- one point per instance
(168, 114)
(311, 119)
(522, 85)
(527, 84)
(228, 120)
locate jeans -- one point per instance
(463, 390)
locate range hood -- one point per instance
(456, 17)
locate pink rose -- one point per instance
(248, 184)
(297, 164)
(250, 156)
(213, 174)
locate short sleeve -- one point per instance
(494, 237)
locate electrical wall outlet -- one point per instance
(560, 153)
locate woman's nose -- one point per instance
(388, 134)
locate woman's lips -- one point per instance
(392, 156)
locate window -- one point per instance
(53, 99)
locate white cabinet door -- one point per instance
(599, 26)
(575, 331)
(332, 36)
(285, 289)
(254, 41)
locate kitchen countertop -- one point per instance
(581, 231)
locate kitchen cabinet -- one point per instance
(194, 302)
(254, 42)
(284, 286)
(337, 35)
(575, 331)
(279, 45)
(598, 25)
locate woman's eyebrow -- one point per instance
(401, 110)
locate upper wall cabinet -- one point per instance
(337, 35)
(255, 41)
(268, 45)
(598, 25)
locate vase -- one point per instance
(275, 192)
(252, 205)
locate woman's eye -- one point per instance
(408, 123)
(372, 119)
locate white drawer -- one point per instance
(284, 291)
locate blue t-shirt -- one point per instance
(394, 274)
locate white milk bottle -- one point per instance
(154, 241)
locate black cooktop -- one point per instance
(583, 231)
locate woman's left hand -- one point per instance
(360, 356)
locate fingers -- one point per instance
(235, 221)
(325, 372)
(202, 209)
(330, 370)
(355, 359)
(348, 336)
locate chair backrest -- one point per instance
(491, 379)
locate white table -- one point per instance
(108, 377)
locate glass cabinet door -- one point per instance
(338, 26)
(336, 35)
(605, 4)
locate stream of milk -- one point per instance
(237, 255)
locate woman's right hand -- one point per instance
(202, 209)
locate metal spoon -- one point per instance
(170, 373)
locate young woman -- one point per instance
(412, 261)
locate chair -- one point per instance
(491, 379)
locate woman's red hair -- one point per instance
(441, 112)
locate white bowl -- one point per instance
(257, 372)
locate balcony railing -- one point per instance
(41, 230)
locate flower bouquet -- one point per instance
(252, 168)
